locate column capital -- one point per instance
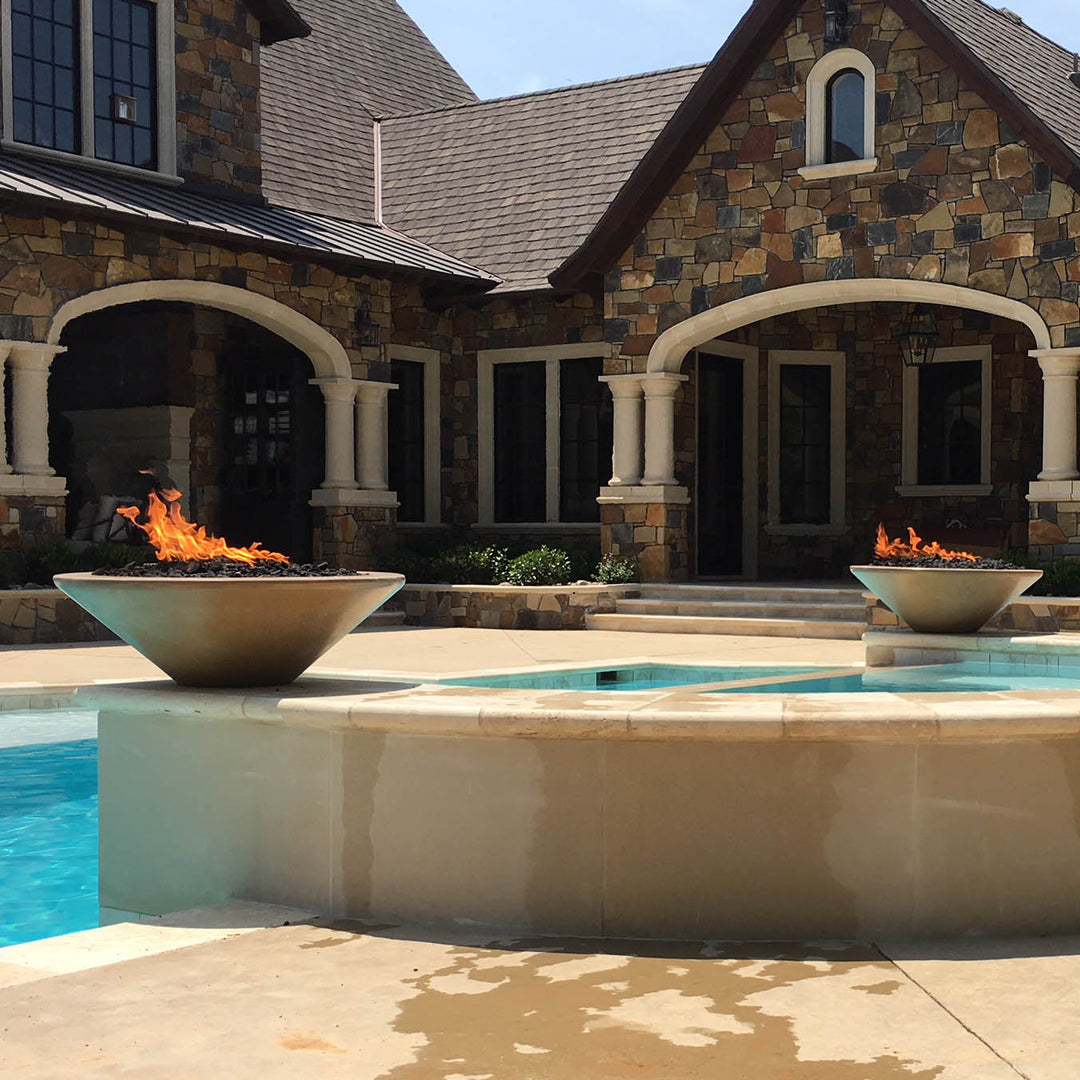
(336, 391)
(30, 355)
(623, 386)
(371, 392)
(662, 383)
(1058, 362)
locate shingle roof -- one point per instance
(291, 232)
(364, 58)
(515, 185)
(1032, 66)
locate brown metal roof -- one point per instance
(364, 59)
(515, 185)
(292, 233)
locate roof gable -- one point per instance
(1018, 72)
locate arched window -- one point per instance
(840, 107)
(845, 112)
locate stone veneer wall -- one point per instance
(507, 607)
(217, 94)
(354, 538)
(1028, 614)
(46, 616)
(27, 520)
(657, 536)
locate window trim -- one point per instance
(432, 362)
(837, 363)
(165, 45)
(817, 165)
(909, 468)
(550, 355)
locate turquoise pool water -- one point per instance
(48, 824)
(940, 678)
(637, 677)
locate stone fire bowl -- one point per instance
(231, 631)
(953, 600)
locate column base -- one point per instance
(22, 484)
(668, 494)
(353, 497)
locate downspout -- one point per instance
(376, 138)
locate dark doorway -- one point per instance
(274, 444)
(720, 466)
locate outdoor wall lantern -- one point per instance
(919, 337)
(367, 328)
(836, 23)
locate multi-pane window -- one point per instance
(44, 73)
(845, 112)
(262, 435)
(125, 77)
(950, 423)
(84, 78)
(547, 451)
(405, 423)
(585, 433)
(520, 414)
(805, 443)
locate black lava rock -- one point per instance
(936, 562)
(223, 568)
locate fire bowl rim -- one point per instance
(950, 569)
(360, 575)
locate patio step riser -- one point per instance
(745, 610)
(751, 594)
(688, 624)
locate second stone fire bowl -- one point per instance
(231, 631)
(953, 600)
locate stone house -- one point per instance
(687, 314)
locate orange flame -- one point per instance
(897, 549)
(178, 540)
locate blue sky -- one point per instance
(515, 46)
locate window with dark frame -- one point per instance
(44, 76)
(262, 442)
(125, 82)
(520, 413)
(950, 423)
(845, 117)
(805, 444)
(405, 423)
(585, 434)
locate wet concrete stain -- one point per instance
(310, 1042)
(660, 1011)
(889, 986)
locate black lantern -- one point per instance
(368, 330)
(919, 337)
(836, 23)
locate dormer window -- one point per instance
(845, 108)
(840, 115)
(92, 78)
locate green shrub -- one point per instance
(416, 566)
(38, 564)
(615, 570)
(542, 566)
(1061, 577)
(473, 564)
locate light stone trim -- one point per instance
(660, 391)
(550, 355)
(839, 168)
(1060, 368)
(671, 347)
(372, 467)
(817, 82)
(431, 360)
(627, 442)
(339, 397)
(909, 485)
(837, 363)
(750, 357)
(670, 494)
(30, 362)
(165, 49)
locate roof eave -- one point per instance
(278, 21)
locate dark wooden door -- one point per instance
(720, 467)
(274, 433)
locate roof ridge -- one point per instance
(552, 90)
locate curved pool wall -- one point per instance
(660, 813)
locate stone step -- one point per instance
(689, 624)
(795, 594)
(740, 609)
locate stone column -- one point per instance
(627, 445)
(371, 451)
(1060, 368)
(5, 350)
(30, 364)
(339, 395)
(660, 392)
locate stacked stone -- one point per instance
(217, 94)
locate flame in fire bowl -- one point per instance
(954, 595)
(231, 631)
(232, 616)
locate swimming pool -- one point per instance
(48, 823)
(631, 677)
